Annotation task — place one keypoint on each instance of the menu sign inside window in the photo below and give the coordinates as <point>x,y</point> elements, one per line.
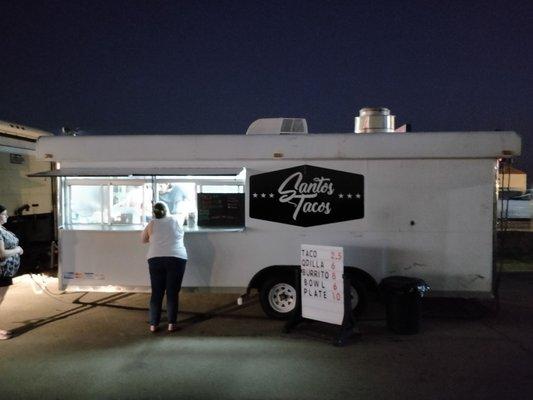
<point>220,209</point>
<point>322,287</point>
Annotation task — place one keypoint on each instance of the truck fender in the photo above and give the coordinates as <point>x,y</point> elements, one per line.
<point>274,270</point>
<point>279,270</point>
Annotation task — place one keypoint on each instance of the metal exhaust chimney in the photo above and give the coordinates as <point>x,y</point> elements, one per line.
<point>374,119</point>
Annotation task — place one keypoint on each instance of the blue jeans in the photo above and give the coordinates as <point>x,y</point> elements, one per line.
<point>166,275</point>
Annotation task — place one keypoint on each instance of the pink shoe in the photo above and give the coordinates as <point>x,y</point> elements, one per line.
<point>173,327</point>
<point>154,328</point>
<point>4,335</point>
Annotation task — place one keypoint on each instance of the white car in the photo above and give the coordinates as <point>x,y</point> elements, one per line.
<point>517,207</point>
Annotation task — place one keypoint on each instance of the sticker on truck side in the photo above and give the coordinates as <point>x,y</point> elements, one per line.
<point>83,275</point>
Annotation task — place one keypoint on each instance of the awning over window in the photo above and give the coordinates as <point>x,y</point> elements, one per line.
<point>91,172</point>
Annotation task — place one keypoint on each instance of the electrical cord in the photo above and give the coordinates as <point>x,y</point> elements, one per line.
<point>48,292</point>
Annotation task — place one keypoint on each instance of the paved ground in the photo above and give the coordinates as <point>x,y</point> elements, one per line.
<point>98,346</point>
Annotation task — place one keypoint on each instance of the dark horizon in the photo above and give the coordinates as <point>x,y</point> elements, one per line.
<point>204,67</point>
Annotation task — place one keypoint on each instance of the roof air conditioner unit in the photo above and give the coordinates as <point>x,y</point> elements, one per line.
<point>278,126</point>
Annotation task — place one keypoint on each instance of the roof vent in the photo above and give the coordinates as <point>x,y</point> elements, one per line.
<point>278,126</point>
<point>374,119</point>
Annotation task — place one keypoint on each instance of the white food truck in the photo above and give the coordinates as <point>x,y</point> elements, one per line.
<point>415,204</point>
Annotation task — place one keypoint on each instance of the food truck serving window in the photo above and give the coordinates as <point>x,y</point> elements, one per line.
<point>202,202</point>
<point>99,202</point>
<point>125,203</point>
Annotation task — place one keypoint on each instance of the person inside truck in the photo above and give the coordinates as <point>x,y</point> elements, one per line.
<point>174,196</point>
<point>10,253</point>
<point>166,257</point>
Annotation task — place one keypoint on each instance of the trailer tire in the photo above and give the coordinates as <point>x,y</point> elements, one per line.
<point>359,296</point>
<point>278,297</point>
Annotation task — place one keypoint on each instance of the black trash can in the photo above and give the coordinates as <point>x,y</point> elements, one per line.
<point>402,297</point>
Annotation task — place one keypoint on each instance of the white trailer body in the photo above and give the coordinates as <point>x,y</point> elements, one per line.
<point>427,200</point>
<point>17,160</point>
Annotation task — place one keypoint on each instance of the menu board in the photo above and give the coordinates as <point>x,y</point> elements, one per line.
<point>220,209</point>
<point>322,283</point>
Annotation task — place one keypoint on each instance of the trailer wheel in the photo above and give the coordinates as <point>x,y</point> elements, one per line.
<point>278,297</point>
<point>358,297</point>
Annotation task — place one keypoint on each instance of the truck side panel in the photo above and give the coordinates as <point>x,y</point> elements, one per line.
<point>430,218</point>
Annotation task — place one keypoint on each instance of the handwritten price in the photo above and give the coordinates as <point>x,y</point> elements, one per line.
<point>336,255</point>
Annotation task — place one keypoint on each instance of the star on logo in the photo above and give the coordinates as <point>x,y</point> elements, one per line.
<point>358,195</point>
<point>341,196</point>
<point>263,195</point>
<point>271,195</point>
<point>349,195</point>
<point>255,195</point>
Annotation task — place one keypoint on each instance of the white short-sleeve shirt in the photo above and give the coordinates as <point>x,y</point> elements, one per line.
<point>166,239</point>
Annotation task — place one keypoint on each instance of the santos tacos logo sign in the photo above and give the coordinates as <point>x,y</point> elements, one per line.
<point>307,196</point>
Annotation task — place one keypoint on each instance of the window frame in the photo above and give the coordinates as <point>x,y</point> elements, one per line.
<point>105,198</point>
<point>107,182</point>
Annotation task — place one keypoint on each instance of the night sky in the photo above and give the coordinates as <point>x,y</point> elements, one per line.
<point>215,66</point>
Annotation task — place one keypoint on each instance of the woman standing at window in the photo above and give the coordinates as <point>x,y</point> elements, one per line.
<point>167,257</point>
<point>10,253</point>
